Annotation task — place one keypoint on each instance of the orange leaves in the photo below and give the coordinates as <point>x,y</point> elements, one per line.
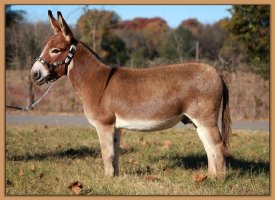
<point>167,144</point>
<point>198,178</point>
<point>75,187</point>
<point>151,178</point>
<point>143,142</point>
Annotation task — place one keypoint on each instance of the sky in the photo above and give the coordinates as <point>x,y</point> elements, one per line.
<point>172,14</point>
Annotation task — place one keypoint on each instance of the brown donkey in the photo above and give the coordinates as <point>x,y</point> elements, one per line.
<point>138,99</point>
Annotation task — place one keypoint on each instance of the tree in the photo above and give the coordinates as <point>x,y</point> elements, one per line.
<point>154,33</point>
<point>250,26</point>
<point>143,38</point>
<point>179,45</point>
<point>231,54</point>
<point>211,40</point>
<point>192,25</point>
<point>96,29</point>
<point>19,54</point>
<point>13,17</point>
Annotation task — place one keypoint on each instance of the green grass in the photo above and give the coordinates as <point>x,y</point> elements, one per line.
<point>43,160</point>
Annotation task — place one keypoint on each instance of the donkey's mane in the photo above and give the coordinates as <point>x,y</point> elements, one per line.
<point>94,54</point>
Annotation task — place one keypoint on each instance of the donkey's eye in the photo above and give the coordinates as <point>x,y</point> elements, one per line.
<point>55,50</point>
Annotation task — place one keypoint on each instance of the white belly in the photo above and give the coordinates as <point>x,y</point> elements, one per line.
<point>146,125</point>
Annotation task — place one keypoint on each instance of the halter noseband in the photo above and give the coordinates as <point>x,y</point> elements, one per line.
<point>66,61</point>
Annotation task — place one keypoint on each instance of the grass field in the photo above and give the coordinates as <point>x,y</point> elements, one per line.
<point>43,160</point>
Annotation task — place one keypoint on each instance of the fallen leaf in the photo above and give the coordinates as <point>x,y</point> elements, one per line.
<point>75,187</point>
<point>123,146</point>
<point>32,167</point>
<point>143,142</point>
<point>21,172</point>
<point>199,177</point>
<point>167,144</point>
<point>57,179</point>
<point>151,178</point>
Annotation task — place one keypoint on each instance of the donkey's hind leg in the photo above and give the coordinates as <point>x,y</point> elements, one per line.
<point>213,146</point>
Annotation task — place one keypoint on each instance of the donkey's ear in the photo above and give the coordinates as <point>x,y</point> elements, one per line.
<point>64,27</point>
<point>54,24</point>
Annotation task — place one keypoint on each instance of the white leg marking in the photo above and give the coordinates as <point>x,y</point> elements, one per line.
<point>208,144</point>
<point>209,147</point>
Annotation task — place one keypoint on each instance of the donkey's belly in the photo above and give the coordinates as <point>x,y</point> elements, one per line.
<point>146,125</point>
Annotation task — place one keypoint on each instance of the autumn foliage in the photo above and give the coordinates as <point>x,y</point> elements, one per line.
<point>228,44</point>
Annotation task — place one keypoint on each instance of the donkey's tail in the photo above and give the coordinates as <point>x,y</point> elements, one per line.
<point>226,119</point>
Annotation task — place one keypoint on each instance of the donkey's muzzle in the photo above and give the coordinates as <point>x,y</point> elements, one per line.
<point>36,75</point>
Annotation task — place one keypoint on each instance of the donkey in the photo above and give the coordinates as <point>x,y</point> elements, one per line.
<point>138,99</point>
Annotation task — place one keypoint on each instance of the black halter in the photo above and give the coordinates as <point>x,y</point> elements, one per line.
<point>66,61</point>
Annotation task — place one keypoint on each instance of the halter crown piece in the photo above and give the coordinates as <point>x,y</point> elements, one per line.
<point>66,61</point>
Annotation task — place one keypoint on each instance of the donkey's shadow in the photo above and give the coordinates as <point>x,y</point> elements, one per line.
<point>196,161</point>
<point>80,152</point>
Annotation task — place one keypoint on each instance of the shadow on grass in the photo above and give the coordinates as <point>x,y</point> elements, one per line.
<point>69,153</point>
<point>196,161</point>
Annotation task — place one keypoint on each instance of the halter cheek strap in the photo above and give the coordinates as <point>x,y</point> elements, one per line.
<point>66,61</point>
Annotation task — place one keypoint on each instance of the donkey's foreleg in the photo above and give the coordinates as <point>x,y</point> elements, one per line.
<point>212,142</point>
<point>109,138</point>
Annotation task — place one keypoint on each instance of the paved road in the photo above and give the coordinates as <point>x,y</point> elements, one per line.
<point>73,120</point>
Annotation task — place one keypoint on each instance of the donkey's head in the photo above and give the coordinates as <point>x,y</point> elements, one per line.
<point>56,54</point>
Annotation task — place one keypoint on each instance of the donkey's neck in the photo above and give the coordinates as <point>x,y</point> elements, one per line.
<point>88,74</point>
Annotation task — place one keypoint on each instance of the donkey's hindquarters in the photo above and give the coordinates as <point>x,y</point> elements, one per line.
<point>216,144</point>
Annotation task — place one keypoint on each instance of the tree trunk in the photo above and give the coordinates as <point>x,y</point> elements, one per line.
<point>197,51</point>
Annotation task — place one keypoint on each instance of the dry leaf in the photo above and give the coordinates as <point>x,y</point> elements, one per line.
<point>133,161</point>
<point>75,187</point>
<point>167,144</point>
<point>21,172</point>
<point>151,178</point>
<point>143,142</point>
<point>32,167</point>
<point>123,146</point>
<point>199,177</point>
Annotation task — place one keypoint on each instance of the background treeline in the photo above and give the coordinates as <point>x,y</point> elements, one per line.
<point>238,47</point>
<point>238,43</point>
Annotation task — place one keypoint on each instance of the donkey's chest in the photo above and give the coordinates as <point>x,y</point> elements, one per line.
<point>146,125</point>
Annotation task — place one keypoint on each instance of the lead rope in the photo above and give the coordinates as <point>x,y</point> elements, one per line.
<point>34,103</point>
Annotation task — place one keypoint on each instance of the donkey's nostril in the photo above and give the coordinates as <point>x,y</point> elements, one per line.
<point>36,75</point>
